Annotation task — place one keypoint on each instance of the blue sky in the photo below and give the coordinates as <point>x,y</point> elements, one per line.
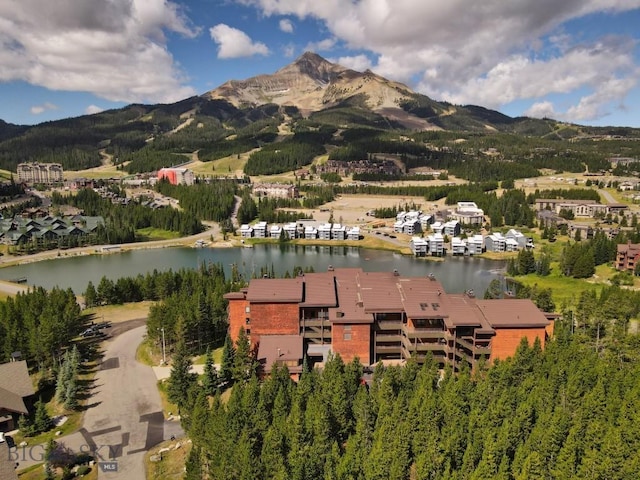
<point>575,60</point>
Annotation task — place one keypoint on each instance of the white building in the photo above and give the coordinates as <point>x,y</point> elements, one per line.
<point>436,245</point>
<point>495,242</point>
<point>324,231</point>
<point>475,244</point>
<point>246,231</point>
<point>260,230</point>
<point>419,246</point>
<point>34,172</point>
<point>291,230</point>
<point>338,232</point>
<point>458,246</point>
<point>310,232</point>
<point>275,231</point>
<point>437,227</point>
<point>522,240</point>
<point>468,213</point>
<point>452,228</point>
<point>426,221</point>
<point>353,233</point>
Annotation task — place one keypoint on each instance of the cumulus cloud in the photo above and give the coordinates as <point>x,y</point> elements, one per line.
<point>358,63</point>
<point>234,43</point>
<point>286,25</point>
<point>116,50</point>
<point>322,45</point>
<point>38,109</point>
<point>479,52</point>
<point>91,109</point>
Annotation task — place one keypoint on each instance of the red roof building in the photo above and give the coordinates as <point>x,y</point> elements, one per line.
<point>380,316</point>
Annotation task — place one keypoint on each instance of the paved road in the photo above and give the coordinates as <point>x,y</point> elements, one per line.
<point>607,196</point>
<point>124,418</point>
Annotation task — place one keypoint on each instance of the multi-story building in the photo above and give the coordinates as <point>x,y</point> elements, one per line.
<point>436,245</point>
<point>260,230</point>
<point>177,176</point>
<point>475,244</point>
<point>378,316</point>
<point>419,246</point>
<point>627,256</point>
<point>277,190</point>
<point>458,246</point>
<point>496,242</point>
<point>468,213</point>
<point>34,173</point>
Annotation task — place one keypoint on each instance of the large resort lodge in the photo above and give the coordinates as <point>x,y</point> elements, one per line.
<point>377,316</point>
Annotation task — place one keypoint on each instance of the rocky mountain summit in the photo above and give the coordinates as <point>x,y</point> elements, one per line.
<point>312,83</point>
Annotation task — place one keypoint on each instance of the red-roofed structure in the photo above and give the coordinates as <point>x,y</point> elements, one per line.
<point>382,316</point>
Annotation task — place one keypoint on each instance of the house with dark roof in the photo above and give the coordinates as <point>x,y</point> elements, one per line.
<point>16,393</point>
<point>378,316</point>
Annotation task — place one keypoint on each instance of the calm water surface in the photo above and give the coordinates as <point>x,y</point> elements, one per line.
<point>456,273</point>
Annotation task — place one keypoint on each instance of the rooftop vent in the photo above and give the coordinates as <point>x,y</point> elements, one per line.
<point>339,314</point>
<point>396,273</point>
<point>431,276</point>
<point>330,268</point>
<point>471,293</point>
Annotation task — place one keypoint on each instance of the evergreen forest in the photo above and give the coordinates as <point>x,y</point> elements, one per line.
<point>569,411</point>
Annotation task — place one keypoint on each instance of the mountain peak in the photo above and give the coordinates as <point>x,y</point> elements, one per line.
<point>314,66</point>
<point>313,83</point>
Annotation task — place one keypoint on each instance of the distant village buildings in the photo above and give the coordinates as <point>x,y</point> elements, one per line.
<point>39,173</point>
<point>306,230</point>
<point>18,230</point>
<point>177,176</point>
<point>579,208</point>
<point>276,190</point>
<point>345,168</point>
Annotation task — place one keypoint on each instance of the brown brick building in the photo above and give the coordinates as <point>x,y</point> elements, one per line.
<point>378,316</point>
<point>627,256</point>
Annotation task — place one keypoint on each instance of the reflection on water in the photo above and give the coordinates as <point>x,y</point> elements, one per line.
<point>456,274</point>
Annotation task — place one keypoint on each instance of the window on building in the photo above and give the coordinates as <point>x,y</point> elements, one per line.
<point>346,336</point>
<point>247,321</point>
<point>247,309</point>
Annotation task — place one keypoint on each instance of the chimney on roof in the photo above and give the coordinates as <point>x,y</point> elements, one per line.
<point>330,268</point>
<point>279,353</point>
<point>431,276</point>
<point>396,273</point>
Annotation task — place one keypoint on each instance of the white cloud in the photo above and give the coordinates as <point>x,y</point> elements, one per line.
<point>358,63</point>
<point>116,50</point>
<point>479,52</point>
<point>38,109</point>
<point>234,43</point>
<point>286,25</point>
<point>321,46</point>
<point>91,109</point>
<point>289,50</point>
<point>544,109</point>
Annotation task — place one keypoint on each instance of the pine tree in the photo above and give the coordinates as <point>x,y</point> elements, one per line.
<point>193,466</point>
<point>180,379</point>
<point>244,364</point>
<point>42,421</point>
<point>90,295</point>
<point>211,380</point>
<point>71,396</point>
<point>226,365</point>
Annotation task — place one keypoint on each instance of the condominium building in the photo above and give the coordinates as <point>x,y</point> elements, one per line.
<point>378,316</point>
<point>34,173</point>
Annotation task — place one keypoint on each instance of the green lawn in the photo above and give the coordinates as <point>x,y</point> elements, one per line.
<point>217,357</point>
<point>148,234</point>
<point>567,290</point>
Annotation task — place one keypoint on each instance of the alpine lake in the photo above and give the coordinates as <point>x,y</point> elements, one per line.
<point>457,274</point>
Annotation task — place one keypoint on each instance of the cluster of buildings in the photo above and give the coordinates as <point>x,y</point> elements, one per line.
<point>415,221</point>
<point>293,230</point>
<point>345,168</point>
<point>33,173</point>
<point>579,208</point>
<point>434,244</point>
<point>18,230</point>
<point>378,316</point>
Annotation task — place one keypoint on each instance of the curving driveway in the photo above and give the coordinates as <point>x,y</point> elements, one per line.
<point>124,416</point>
